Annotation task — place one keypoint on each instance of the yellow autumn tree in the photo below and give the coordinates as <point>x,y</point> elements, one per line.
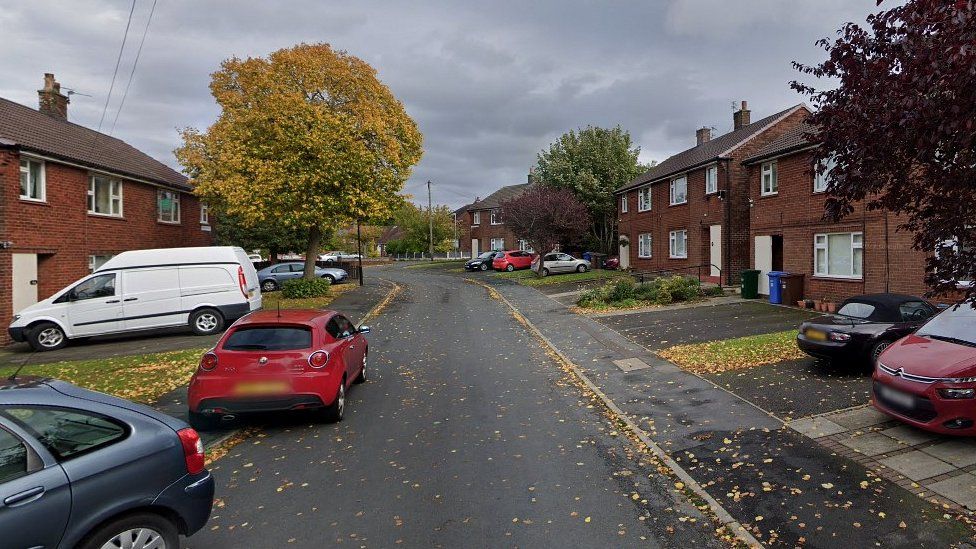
<point>306,138</point>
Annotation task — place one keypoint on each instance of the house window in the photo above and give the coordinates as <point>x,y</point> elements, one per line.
<point>678,244</point>
<point>496,217</point>
<point>679,190</point>
<point>644,245</point>
<point>838,255</point>
<point>769,184</point>
<point>711,179</point>
<point>644,199</point>
<point>476,218</point>
<point>96,261</point>
<point>204,214</point>
<point>524,246</point>
<point>105,196</point>
<point>168,206</point>
<point>32,179</point>
<point>623,204</point>
<point>955,246</point>
<point>497,243</point>
<point>821,175</point>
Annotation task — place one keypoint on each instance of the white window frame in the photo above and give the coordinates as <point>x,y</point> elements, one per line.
<point>954,244</point>
<point>768,180</point>
<point>496,217</point>
<point>204,214</point>
<point>683,180</point>
<point>644,201</point>
<point>476,219</point>
<point>491,243</point>
<point>523,245</point>
<point>672,243</point>
<point>821,242</point>
<point>644,246</point>
<point>93,261</point>
<point>175,197</point>
<point>25,170</point>
<point>623,203</point>
<point>821,175</point>
<point>115,200</point>
<point>711,179</point>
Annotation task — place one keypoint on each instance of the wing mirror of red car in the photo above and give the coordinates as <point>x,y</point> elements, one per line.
<point>364,329</point>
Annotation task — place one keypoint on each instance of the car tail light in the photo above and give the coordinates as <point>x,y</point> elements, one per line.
<point>242,281</point>
<point>318,359</point>
<point>192,450</point>
<point>208,362</point>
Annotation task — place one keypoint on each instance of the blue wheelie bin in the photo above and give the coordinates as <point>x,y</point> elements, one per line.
<point>776,286</point>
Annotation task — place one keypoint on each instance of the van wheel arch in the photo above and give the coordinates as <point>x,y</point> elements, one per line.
<point>206,320</point>
<point>31,328</point>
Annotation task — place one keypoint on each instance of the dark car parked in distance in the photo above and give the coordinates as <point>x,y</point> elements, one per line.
<point>482,262</point>
<point>88,470</point>
<point>864,326</point>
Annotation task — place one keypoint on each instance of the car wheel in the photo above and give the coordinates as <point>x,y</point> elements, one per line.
<point>330,278</point>
<point>361,378</point>
<point>484,266</point>
<point>545,272</point>
<point>269,286</point>
<point>136,531</point>
<point>510,267</point>
<point>581,269</point>
<point>47,336</point>
<point>206,322</point>
<point>877,349</point>
<point>337,410</point>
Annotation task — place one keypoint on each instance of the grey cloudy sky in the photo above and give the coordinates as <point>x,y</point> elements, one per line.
<point>490,83</point>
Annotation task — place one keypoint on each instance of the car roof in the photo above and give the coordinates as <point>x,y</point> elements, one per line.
<point>886,304</point>
<point>271,316</point>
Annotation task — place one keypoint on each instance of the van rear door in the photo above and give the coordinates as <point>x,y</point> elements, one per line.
<point>252,286</point>
<point>151,298</point>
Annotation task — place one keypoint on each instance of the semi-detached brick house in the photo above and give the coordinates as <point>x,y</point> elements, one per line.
<point>71,197</point>
<point>862,253</point>
<point>486,228</point>
<point>690,213</point>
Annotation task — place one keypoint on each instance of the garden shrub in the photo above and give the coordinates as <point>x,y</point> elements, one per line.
<point>302,288</point>
<point>659,291</point>
<point>621,289</point>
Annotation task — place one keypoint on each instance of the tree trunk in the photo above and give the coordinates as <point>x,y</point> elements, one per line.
<point>312,251</point>
<point>273,255</point>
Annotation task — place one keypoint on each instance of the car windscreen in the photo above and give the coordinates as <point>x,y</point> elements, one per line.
<point>955,324</point>
<point>857,310</point>
<point>486,255</point>
<point>269,338</point>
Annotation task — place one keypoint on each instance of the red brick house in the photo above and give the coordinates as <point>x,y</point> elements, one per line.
<point>486,228</point>
<point>690,213</point>
<point>71,197</point>
<point>863,253</point>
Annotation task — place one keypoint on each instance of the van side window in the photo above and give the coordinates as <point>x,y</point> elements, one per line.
<point>66,432</point>
<point>13,457</point>
<point>94,288</point>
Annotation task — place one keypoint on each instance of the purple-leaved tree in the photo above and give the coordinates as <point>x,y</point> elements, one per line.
<point>544,216</point>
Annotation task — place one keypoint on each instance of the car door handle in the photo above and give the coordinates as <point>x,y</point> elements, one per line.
<point>131,299</point>
<point>112,301</point>
<point>24,497</point>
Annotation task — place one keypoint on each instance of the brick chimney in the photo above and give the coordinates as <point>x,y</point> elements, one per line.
<point>741,117</point>
<point>703,135</point>
<point>50,99</point>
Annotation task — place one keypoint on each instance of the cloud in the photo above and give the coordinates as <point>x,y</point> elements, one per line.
<point>490,84</point>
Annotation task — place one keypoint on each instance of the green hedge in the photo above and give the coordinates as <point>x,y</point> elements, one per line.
<point>660,291</point>
<point>302,288</point>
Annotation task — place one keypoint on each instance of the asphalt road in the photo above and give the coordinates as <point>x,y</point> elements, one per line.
<point>466,435</point>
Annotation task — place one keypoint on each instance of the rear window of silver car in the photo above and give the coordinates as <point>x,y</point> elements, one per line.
<point>269,338</point>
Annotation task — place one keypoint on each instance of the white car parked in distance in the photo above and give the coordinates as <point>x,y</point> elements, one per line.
<point>338,256</point>
<point>203,288</point>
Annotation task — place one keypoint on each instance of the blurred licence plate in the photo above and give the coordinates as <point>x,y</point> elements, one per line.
<point>896,397</point>
<point>816,335</point>
<point>261,388</point>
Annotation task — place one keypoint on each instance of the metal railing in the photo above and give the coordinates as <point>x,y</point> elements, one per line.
<point>643,276</point>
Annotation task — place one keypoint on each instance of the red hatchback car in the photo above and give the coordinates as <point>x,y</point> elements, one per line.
<point>275,361</point>
<point>512,260</point>
<point>928,379</point>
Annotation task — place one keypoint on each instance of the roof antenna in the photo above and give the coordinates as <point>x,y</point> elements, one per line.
<point>13,376</point>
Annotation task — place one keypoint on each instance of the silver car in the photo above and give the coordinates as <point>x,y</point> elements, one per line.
<point>556,263</point>
<point>272,277</point>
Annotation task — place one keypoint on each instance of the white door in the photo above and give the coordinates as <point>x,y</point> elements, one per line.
<point>24,281</point>
<point>94,306</point>
<point>474,247</point>
<point>624,257</point>
<point>764,261</point>
<point>715,246</point>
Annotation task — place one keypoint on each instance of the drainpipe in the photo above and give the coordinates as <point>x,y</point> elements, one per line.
<point>726,229</point>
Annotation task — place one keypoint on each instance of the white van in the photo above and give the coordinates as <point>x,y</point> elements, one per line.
<point>204,288</point>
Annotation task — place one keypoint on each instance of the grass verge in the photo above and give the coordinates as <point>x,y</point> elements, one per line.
<point>437,264</point>
<point>272,300</point>
<point>142,378</point>
<point>733,354</point>
<point>528,277</point>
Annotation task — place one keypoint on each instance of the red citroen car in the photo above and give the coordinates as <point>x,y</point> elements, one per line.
<point>928,379</point>
<point>279,360</point>
<point>512,260</point>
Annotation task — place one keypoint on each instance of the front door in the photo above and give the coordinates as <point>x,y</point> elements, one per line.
<point>715,249</point>
<point>24,281</point>
<point>474,248</point>
<point>764,261</point>
<point>624,256</point>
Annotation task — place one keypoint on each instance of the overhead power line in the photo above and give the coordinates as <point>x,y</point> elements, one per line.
<point>117,62</point>
<point>134,65</point>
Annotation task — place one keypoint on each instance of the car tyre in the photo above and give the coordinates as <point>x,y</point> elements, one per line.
<point>330,278</point>
<point>334,412</point>
<point>877,349</point>
<point>361,378</point>
<point>47,336</point>
<point>206,321</point>
<point>138,530</point>
<point>484,266</point>
<point>269,286</point>
<point>581,269</point>
<point>204,422</point>
<point>545,272</point>
<point>510,267</point>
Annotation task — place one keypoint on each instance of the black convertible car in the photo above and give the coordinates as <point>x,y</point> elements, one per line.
<point>864,326</point>
<point>482,262</point>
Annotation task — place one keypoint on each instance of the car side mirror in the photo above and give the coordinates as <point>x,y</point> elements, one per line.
<point>364,329</point>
